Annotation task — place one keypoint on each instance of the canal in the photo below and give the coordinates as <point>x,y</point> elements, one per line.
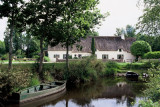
<point>108,92</point>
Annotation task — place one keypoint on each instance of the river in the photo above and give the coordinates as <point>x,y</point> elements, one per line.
<point>108,92</point>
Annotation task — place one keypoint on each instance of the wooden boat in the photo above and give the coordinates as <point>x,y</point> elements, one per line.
<point>38,91</point>
<point>130,74</point>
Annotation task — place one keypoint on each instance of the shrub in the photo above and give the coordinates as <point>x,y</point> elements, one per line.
<point>46,59</point>
<point>13,81</point>
<point>111,68</point>
<point>5,57</point>
<point>85,70</point>
<point>152,55</point>
<point>34,80</point>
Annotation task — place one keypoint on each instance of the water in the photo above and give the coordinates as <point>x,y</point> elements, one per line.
<point>109,92</point>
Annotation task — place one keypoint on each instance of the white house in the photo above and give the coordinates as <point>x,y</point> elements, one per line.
<point>107,48</point>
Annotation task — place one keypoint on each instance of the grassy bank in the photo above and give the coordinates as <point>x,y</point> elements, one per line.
<point>86,70</point>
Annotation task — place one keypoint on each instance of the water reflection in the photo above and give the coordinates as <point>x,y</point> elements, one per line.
<point>111,92</point>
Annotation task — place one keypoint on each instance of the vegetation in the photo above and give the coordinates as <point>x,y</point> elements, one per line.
<point>154,41</point>
<point>152,55</point>
<point>111,68</point>
<point>85,70</point>
<point>153,91</point>
<point>149,23</point>
<point>139,48</point>
<point>10,9</point>
<point>129,31</point>
<point>93,46</point>
<point>75,25</point>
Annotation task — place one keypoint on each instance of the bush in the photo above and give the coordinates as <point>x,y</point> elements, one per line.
<point>34,80</point>
<point>152,55</point>
<point>13,81</point>
<point>46,59</point>
<point>111,68</point>
<point>5,57</point>
<point>85,70</point>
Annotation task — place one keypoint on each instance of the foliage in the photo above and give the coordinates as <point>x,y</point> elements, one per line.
<point>129,31</point>
<point>139,48</point>
<point>2,48</point>
<point>154,41</point>
<point>5,57</point>
<point>93,46</point>
<point>152,55</point>
<point>148,103</point>
<point>111,68</point>
<point>145,65</point>
<point>153,90</point>
<point>149,23</point>
<point>11,10</point>
<point>85,70</point>
<point>20,54</point>
<point>34,80</point>
<point>76,23</point>
<point>13,81</point>
<point>46,59</point>
<point>41,16</point>
<point>119,32</point>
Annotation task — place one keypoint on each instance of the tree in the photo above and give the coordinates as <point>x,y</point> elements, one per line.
<point>129,31</point>
<point>11,10</point>
<point>139,48</point>
<point>78,19</point>
<point>40,18</point>
<point>149,23</point>
<point>119,32</point>
<point>154,41</point>
<point>93,46</point>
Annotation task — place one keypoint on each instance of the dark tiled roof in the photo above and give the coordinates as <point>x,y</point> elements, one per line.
<point>102,43</point>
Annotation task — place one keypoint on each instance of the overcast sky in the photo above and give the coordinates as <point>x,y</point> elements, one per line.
<point>122,12</point>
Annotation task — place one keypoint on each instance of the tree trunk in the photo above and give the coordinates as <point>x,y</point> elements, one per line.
<point>41,55</point>
<point>10,47</point>
<point>67,63</point>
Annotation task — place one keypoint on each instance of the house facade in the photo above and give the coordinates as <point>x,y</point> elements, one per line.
<point>107,48</point>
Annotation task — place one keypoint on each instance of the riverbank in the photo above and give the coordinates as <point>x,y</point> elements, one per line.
<point>83,71</point>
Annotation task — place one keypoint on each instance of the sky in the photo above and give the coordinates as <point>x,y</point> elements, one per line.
<point>122,13</point>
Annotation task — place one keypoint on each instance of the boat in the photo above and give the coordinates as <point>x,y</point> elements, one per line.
<point>131,74</point>
<point>38,91</point>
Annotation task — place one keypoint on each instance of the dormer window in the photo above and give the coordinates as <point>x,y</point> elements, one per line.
<point>120,50</point>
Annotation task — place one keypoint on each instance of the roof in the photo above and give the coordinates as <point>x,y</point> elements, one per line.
<point>102,43</point>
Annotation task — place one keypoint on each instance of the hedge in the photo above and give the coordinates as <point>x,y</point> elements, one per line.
<point>152,55</point>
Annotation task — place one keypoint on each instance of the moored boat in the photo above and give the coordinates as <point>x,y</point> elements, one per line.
<point>131,74</point>
<point>38,91</point>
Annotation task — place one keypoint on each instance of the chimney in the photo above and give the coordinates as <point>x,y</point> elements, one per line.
<point>122,37</point>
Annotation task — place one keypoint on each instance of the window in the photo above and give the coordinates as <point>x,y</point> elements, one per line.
<point>79,56</point>
<point>120,50</point>
<point>64,56</point>
<point>56,55</point>
<point>104,56</point>
<point>120,56</point>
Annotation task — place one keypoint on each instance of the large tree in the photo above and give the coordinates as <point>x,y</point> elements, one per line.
<point>40,18</point>
<point>149,23</point>
<point>11,10</point>
<point>78,19</point>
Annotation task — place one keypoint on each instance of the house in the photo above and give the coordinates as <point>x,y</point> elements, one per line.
<point>107,48</point>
